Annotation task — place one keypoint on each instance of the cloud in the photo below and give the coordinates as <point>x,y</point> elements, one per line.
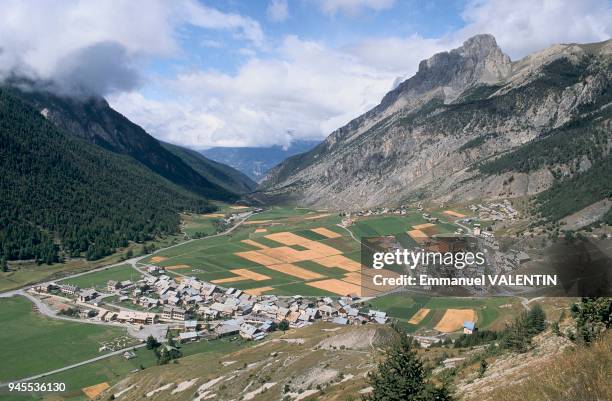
<point>44,40</point>
<point>100,68</point>
<point>353,7</point>
<point>278,10</point>
<point>305,91</point>
<point>288,89</point>
<point>525,26</point>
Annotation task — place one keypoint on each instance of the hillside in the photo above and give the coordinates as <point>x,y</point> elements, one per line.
<point>256,162</point>
<point>92,119</point>
<point>217,173</point>
<point>60,192</point>
<point>323,361</point>
<point>470,124</point>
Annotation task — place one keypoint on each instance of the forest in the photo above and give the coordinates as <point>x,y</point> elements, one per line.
<point>62,196</point>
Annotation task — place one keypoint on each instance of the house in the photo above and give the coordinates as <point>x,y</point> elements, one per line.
<point>340,320</point>
<point>188,336</point>
<point>112,285</point>
<point>87,295</point>
<point>47,287</point>
<point>227,329</point>
<point>191,325</point>
<point>171,313</point>
<point>136,317</point>
<point>69,289</point>
<point>110,316</point>
<point>469,327</point>
<point>250,332</point>
<point>126,284</point>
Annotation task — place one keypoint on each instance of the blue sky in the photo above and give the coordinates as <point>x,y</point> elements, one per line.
<point>203,73</point>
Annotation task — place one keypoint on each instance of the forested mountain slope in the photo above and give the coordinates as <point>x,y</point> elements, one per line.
<point>91,118</point>
<point>217,173</point>
<point>60,192</point>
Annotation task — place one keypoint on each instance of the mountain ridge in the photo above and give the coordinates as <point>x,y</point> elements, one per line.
<point>92,118</point>
<point>416,143</point>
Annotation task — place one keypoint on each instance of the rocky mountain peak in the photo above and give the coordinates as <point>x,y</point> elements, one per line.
<point>478,61</point>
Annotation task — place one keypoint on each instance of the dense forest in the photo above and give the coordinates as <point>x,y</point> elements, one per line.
<point>61,193</point>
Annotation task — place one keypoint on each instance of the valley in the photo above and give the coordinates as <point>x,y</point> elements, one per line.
<point>301,201</point>
<point>313,253</point>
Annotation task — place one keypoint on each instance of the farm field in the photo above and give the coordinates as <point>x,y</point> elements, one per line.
<point>289,251</point>
<point>26,336</point>
<point>99,279</point>
<point>490,313</point>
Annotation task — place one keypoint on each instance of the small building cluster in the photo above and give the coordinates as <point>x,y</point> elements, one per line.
<point>195,305</point>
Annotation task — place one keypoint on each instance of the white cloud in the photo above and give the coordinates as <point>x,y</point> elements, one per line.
<point>278,10</point>
<point>296,89</point>
<point>37,38</point>
<point>353,7</point>
<point>524,26</point>
<point>305,91</point>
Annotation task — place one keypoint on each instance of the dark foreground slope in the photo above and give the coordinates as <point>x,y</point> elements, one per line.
<point>60,192</point>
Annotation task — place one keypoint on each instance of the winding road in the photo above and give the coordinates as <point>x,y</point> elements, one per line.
<point>140,334</point>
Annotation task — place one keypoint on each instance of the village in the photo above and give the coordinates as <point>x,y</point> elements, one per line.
<point>200,310</point>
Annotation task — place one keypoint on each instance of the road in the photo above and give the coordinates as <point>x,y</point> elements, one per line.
<point>141,334</point>
<point>75,365</point>
<point>133,261</point>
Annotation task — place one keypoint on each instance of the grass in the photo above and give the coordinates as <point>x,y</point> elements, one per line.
<point>212,258</point>
<point>99,279</point>
<point>197,223</point>
<point>115,368</point>
<point>582,373</point>
<point>32,344</point>
<point>404,306</point>
<point>22,274</point>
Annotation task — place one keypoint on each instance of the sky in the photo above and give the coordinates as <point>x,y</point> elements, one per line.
<point>204,73</point>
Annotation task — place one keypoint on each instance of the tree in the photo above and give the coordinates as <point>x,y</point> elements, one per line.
<point>592,317</point>
<point>483,367</point>
<point>3,265</point>
<point>152,343</point>
<point>401,377</point>
<point>518,336</point>
<point>536,319</point>
<point>283,325</point>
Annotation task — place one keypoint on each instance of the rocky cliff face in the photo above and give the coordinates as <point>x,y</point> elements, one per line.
<point>436,135</point>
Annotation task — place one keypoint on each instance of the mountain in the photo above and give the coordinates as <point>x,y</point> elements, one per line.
<point>470,124</point>
<point>255,162</point>
<point>64,194</point>
<point>91,118</point>
<point>219,174</point>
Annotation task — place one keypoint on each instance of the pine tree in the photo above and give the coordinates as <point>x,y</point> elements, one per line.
<point>536,320</point>
<point>401,377</point>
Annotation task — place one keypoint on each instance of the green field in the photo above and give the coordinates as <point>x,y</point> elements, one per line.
<point>210,258</point>
<point>99,279</point>
<point>115,368</point>
<point>404,306</point>
<point>31,343</point>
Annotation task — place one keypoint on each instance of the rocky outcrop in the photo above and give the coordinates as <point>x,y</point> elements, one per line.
<point>429,137</point>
